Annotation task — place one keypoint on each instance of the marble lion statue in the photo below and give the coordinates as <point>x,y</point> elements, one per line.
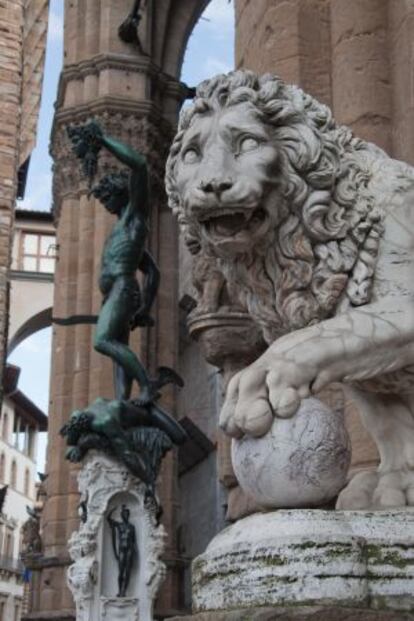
<point>315,229</point>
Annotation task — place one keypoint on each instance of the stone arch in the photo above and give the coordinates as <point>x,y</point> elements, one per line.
<point>40,320</point>
<point>179,24</point>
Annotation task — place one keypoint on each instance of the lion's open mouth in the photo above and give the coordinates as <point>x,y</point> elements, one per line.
<point>230,223</point>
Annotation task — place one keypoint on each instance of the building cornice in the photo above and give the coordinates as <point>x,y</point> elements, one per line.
<point>31,276</point>
<point>35,215</point>
<point>120,62</point>
<point>109,104</point>
<point>28,411</point>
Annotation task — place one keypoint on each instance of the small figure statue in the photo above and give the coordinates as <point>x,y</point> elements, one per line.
<point>124,544</point>
<point>128,30</point>
<point>32,541</point>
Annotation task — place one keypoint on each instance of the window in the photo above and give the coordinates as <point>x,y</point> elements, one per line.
<point>13,474</point>
<point>17,612</point>
<point>37,252</point>
<point>5,430</point>
<point>26,482</point>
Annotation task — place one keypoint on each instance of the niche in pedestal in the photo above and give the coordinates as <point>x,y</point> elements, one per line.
<point>124,537</point>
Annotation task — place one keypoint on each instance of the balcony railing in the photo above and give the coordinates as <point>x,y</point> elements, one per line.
<point>11,564</point>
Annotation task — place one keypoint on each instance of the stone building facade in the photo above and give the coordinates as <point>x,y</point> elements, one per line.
<point>34,257</point>
<point>23,28</point>
<point>356,57</point>
<point>20,423</point>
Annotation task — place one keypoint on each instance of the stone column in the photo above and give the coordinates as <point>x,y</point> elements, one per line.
<point>401,59</point>
<point>135,97</point>
<point>290,38</point>
<point>230,341</point>
<point>355,56</point>
<point>361,89</point>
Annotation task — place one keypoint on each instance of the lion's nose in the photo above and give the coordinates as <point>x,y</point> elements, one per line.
<point>215,185</point>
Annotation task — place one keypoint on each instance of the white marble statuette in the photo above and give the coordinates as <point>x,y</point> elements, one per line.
<point>106,488</point>
<point>314,228</point>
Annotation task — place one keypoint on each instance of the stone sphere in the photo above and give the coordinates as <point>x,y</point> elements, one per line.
<point>301,462</point>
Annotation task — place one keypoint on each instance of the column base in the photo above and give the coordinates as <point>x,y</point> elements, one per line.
<point>349,559</point>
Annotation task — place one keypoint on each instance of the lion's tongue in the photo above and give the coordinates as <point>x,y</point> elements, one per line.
<point>229,224</point>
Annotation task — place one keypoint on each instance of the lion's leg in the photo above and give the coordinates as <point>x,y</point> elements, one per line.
<point>355,346</point>
<point>389,418</point>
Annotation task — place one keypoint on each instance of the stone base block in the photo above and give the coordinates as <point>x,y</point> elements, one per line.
<point>351,559</point>
<point>301,613</point>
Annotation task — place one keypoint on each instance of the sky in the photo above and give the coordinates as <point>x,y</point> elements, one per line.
<point>210,51</point>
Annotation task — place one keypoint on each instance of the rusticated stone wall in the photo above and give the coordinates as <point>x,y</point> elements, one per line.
<point>355,56</point>
<point>23,26</point>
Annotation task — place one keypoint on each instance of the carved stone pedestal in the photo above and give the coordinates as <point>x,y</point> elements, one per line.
<point>93,577</point>
<point>340,559</point>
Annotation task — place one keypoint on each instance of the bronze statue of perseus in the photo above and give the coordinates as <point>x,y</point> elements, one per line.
<point>135,431</point>
<point>125,306</point>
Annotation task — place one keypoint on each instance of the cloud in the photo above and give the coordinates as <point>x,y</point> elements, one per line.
<point>212,66</point>
<point>55,28</point>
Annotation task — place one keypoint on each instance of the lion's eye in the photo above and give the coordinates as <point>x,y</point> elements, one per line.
<point>190,156</point>
<point>248,144</point>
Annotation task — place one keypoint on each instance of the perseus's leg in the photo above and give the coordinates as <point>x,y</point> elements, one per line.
<point>115,315</point>
<point>122,381</point>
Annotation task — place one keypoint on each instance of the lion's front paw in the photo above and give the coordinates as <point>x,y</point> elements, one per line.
<point>257,394</point>
<point>377,490</point>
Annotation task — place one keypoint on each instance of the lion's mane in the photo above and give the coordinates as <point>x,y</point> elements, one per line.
<point>326,247</point>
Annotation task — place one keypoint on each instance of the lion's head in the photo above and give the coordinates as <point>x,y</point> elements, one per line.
<point>263,179</point>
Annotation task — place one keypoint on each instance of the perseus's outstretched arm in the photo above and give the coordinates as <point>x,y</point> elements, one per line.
<point>138,183</point>
<point>125,153</point>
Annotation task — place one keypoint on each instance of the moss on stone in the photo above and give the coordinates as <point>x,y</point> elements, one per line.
<point>378,556</point>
